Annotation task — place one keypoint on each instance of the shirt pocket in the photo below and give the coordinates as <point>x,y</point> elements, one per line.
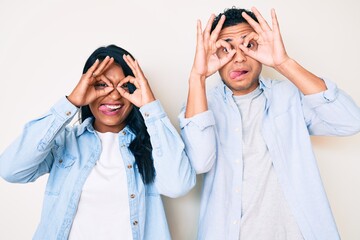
<point>58,174</point>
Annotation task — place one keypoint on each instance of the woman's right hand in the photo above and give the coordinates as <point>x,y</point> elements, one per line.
<point>85,91</point>
<point>206,61</point>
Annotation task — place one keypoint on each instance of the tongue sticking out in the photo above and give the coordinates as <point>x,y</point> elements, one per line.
<point>236,74</point>
<point>108,108</point>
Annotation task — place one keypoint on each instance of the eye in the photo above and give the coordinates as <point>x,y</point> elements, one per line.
<point>100,85</point>
<point>252,45</point>
<point>125,86</point>
<point>225,50</point>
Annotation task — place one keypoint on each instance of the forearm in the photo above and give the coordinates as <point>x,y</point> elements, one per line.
<point>198,134</point>
<point>196,102</point>
<point>305,81</point>
<point>29,156</point>
<point>331,112</point>
<point>174,174</point>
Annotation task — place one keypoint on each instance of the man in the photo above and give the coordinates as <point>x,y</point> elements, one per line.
<point>251,136</point>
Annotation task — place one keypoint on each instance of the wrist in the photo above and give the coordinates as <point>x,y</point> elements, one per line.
<point>70,99</point>
<point>284,65</point>
<point>194,76</point>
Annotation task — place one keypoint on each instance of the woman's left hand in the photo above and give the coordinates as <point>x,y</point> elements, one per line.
<point>142,94</point>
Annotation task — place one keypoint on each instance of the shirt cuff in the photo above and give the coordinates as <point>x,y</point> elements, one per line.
<point>202,120</point>
<point>152,111</point>
<point>327,96</point>
<point>64,109</point>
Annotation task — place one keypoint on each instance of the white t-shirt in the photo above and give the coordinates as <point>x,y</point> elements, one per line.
<point>265,212</point>
<point>103,211</point>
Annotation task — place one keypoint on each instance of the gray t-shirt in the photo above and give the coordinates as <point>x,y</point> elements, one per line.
<point>265,212</point>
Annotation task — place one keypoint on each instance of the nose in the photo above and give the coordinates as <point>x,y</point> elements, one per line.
<point>114,94</point>
<point>239,56</point>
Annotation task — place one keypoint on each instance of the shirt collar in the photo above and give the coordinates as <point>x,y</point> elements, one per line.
<point>88,125</point>
<point>227,93</point>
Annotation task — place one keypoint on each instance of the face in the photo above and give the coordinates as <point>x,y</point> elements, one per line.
<point>110,111</point>
<point>241,74</point>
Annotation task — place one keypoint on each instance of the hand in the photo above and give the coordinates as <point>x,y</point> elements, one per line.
<point>142,94</point>
<point>86,91</point>
<point>270,49</point>
<point>206,60</point>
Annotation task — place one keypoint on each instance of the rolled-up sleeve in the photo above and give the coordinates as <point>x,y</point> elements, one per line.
<point>174,173</point>
<point>331,112</point>
<point>29,156</point>
<point>198,133</point>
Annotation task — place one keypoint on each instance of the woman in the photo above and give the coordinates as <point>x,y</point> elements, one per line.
<point>106,174</point>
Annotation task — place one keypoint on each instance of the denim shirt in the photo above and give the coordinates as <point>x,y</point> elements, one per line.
<point>48,145</point>
<point>213,143</point>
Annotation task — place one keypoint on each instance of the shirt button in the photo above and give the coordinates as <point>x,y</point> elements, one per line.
<point>237,129</point>
<point>132,195</point>
<point>124,133</point>
<point>237,161</point>
<point>146,114</point>
<point>68,113</point>
<point>60,161</point>
<point>135,223</point>
<point>235,222</point>
<point>129,166</point>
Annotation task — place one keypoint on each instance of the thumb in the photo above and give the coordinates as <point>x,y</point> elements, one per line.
<point>104,91</point>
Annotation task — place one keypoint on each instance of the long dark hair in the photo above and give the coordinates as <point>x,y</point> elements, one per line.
<point>140,147</point>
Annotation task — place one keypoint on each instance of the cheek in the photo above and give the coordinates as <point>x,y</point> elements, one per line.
<point>92,108</point>
<point>128,107</point>
<point>256,66</point>
<point>223,71</point>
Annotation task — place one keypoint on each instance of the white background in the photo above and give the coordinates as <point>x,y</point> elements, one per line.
<point>44,45</point>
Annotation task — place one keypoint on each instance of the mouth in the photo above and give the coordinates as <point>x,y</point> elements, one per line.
<point>238,74</point>
<point>110,109</point>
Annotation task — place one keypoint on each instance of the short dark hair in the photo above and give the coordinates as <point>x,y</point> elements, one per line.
<point>233,17</point>
<point>140,147</point>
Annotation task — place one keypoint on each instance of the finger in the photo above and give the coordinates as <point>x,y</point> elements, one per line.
<point>263,23</point>
<point>100,68</point>
<point>124,93</point>
<point>215,33</point>
<point>129,79</point>
<point>256,26</point>
<point>247,51</point>
<point>222,46</point>
<point>199,36</point>
<point>139,71</point>
<point>225,58</point>
<point>105,80</point>
<point>251,36</point>
<point>101,91</point>
<point>90,71</point>
<point>108,64</point>
<point>207,30</point>
<point>104,91</point>
<point>275,23</point>
<point>130,62</point>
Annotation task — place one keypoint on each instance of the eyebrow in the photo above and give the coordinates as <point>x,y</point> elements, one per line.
<point>230,39</point>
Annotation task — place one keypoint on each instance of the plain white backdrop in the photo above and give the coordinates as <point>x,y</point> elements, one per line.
<point>44,45</point>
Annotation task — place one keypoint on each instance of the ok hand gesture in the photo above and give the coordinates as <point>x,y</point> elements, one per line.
<point>142,94</point>
<point>85,91</point>
<point>270,49</point>
<point>206,61</point>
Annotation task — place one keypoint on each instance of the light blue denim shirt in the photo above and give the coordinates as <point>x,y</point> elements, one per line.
<point>48,145</point>
<point>213,143</point>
